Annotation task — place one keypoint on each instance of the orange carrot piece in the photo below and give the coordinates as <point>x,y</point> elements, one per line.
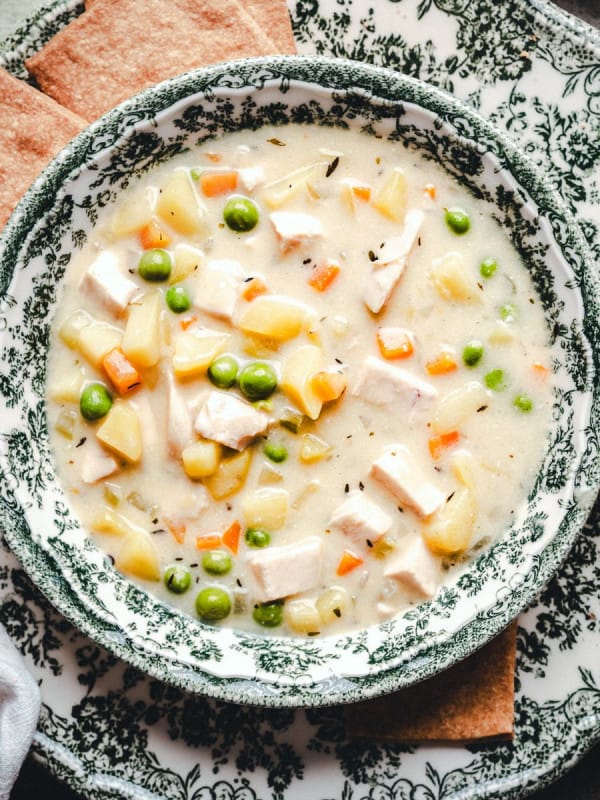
<point>348,562</point>
<point>362,191</point>
<point>187,321</point>
<point>328,385</point>
<point>324,275</point>
<point>441,364</point>
<point>231,537</point>
<point>121,372</point>
<point>214,157</point>
<point>216,183</point>
<point>208,541</point>
<point>540,370</point>
<point>430,190</point>
<point>177,529</point>
<point>152,235</point>
<point>395,343</point>
<point>254,288</point>
<point>437,444</point>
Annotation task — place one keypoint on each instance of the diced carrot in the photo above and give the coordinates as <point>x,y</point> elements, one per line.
<point>324,275</point>
<point>152,235</point>
<point>395,343</point>
<point>231,537</point>
<point>187,321</point>
<point>328,385</point>
<point>214,157</point>
<point>441,364</point>
<point>540,370</point>
<point>177,529</point>
<point>348,562</point>
<point>216,183</point>
<point>437,444</point>
<point>430,190</point>
<point>362,191</point>
<point>121,372</point>
<point>253,288</point>
<point>208,541</point>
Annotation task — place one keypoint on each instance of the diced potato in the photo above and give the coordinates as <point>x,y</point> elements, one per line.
<point>313,449</point>
<point>332,604</point>
<point>97,340</point>
<point>391,200</point>
<point>278,192</point>
<point>296,379</point>
<point>179,206</point>
<point>450,277</point>
<point>121,432</point>
<point>106,520</point>
<point>463,467</point>
<point>276,317</point>
<point>186,260</point>
<point>201,459</point>
<point>194,351</point>
<point>141,340</point>
<point>451,529</point>
<point>329,385</point>
<point>456,406</point>
<point>230,476</point>
<point>71,328</point>
<point>65,423</point>
<point>305,493</point>
<point>502,334</point>
<point>302,616</point>
<point>66,388</point>
<point>138,556</point>
<point>133,213</point>
<point>266,508</point>
<point>269,475</point>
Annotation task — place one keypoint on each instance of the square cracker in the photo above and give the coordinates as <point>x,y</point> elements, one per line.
<point>473,701</point>
<point>33,128</point>
<point>119,47</point>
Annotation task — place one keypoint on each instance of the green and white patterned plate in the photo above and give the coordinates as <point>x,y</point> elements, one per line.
<point>111,732</point>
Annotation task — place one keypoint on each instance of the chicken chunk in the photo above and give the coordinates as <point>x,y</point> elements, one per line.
<point>293,228</point>
<point>219,284</point>
<point>97,463</point>
<point>416,568</point>
<point>179,421</point>
<point>400,473</point>
<point>287,569</point>
<point>226,419</point>
<point>361,520</point>
<point>384,384</point>
<point>105,281</point>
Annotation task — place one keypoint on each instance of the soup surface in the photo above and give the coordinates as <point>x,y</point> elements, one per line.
<point>297,377</point>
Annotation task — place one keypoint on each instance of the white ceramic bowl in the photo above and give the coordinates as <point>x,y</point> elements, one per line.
<point>51,224</point>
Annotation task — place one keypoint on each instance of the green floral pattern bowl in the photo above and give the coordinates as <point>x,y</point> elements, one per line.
<point>52,223</point>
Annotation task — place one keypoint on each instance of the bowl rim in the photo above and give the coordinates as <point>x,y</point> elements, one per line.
<point>382,84</point>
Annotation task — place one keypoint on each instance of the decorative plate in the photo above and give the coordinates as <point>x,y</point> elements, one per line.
<point>112,732</point>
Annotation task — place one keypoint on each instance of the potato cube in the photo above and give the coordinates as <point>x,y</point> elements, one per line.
<point>230,475</point>
<point>133,213</point>
<point>121,432</point>
<point>201,459</point>
<point>266,508</point>
<point>179,206</point>
<point>97,340</point>
<point>195,349</point>
<point>106,520</point>
<point>450,277</point>
<point>186,260</point>
<point>302,616</point>
<point>66,388</point>
<point>332,604</point>
<point>456,406</point>
<point>296,379</point>
<point>391,199</point>
<point>278,192</point>
<point>141,340</point>
<point>138,556</point>
<point>276,317</point>
<point>451,529</point>
<point>71,328</point>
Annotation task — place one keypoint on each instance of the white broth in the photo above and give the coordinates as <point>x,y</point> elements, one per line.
<point>309,425</point>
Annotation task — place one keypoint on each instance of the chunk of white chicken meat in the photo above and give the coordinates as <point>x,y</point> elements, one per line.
<point>180,430</point>
<point>416,568</point>
<point>385,384</point>
<point>97,463</point>
<point>294,228</point>
<point>361,520</point>
<point>401,474</point>
<point>251,177</point>
<point>390,262</point>
<point>105,282</point>
<point>286,569</point>
<point>226,419</point>
<point>218,287</point>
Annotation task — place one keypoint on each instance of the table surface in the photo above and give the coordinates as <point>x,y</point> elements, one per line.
<point>581,783</point>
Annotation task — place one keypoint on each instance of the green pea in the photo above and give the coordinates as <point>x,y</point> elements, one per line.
<point>177,578</point>
<point>508,312</point>
<point>95,401</point>
<point>472,353</point>
<point>276,452</point>
<point>495,380</point>
<point>488,267</point>
<point>523,402</point>
<point>223,371</point>
<point>258,380</point>
<point>240,214</point>
<point>256,537</point>
<point>216,562</point>
<point>178,299</point>
<point>457,220</point>
<point>213,603</point>
<point>155,265</point>
<point>269,615</point>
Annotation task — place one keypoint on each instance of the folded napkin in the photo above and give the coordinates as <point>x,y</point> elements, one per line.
<point>19,712</point>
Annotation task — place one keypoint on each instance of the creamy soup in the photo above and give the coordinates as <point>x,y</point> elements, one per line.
<point>297,378</point>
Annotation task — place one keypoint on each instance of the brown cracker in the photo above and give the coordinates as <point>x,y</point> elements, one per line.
<point>471,701</point>
<point>33,128</point>
<point>119,47</point>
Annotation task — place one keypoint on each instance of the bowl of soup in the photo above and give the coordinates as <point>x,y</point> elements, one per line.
<point>298,392</point>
